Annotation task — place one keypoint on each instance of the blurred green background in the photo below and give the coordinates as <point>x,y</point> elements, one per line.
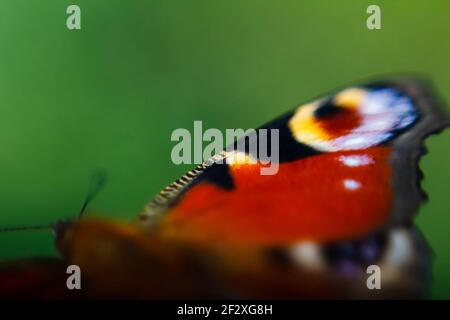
<point>109,95</point>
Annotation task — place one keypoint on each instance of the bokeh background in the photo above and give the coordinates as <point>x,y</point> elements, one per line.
<point>108,96</point>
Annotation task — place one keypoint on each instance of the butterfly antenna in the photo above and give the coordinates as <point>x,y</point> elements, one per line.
<point>97,182</point>
<point>27,228</point>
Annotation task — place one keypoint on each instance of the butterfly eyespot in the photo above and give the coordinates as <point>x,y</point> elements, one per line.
<point>355,118</point>
<point>352,257</point>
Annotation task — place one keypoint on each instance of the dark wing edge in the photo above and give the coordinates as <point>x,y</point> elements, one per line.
<point>409,147</point>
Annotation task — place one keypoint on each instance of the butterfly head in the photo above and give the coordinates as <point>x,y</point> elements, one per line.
<point>60,228</point>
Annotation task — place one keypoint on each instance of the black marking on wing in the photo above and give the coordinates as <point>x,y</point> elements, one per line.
<point>326,109</point>
<point>217,174</point>
<point>289,148</point>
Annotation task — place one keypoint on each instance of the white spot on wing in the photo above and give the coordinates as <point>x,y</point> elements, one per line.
<point>351,184</point>
<point>356,160</point>
<point>308,255</point>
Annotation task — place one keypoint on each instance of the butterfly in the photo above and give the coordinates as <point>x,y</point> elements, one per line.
<point>343,200</point>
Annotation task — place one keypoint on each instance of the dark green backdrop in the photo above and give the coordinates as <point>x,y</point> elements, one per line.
<point>109,95</point>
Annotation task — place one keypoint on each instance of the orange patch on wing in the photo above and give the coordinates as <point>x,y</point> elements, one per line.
<point>333,196</point>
